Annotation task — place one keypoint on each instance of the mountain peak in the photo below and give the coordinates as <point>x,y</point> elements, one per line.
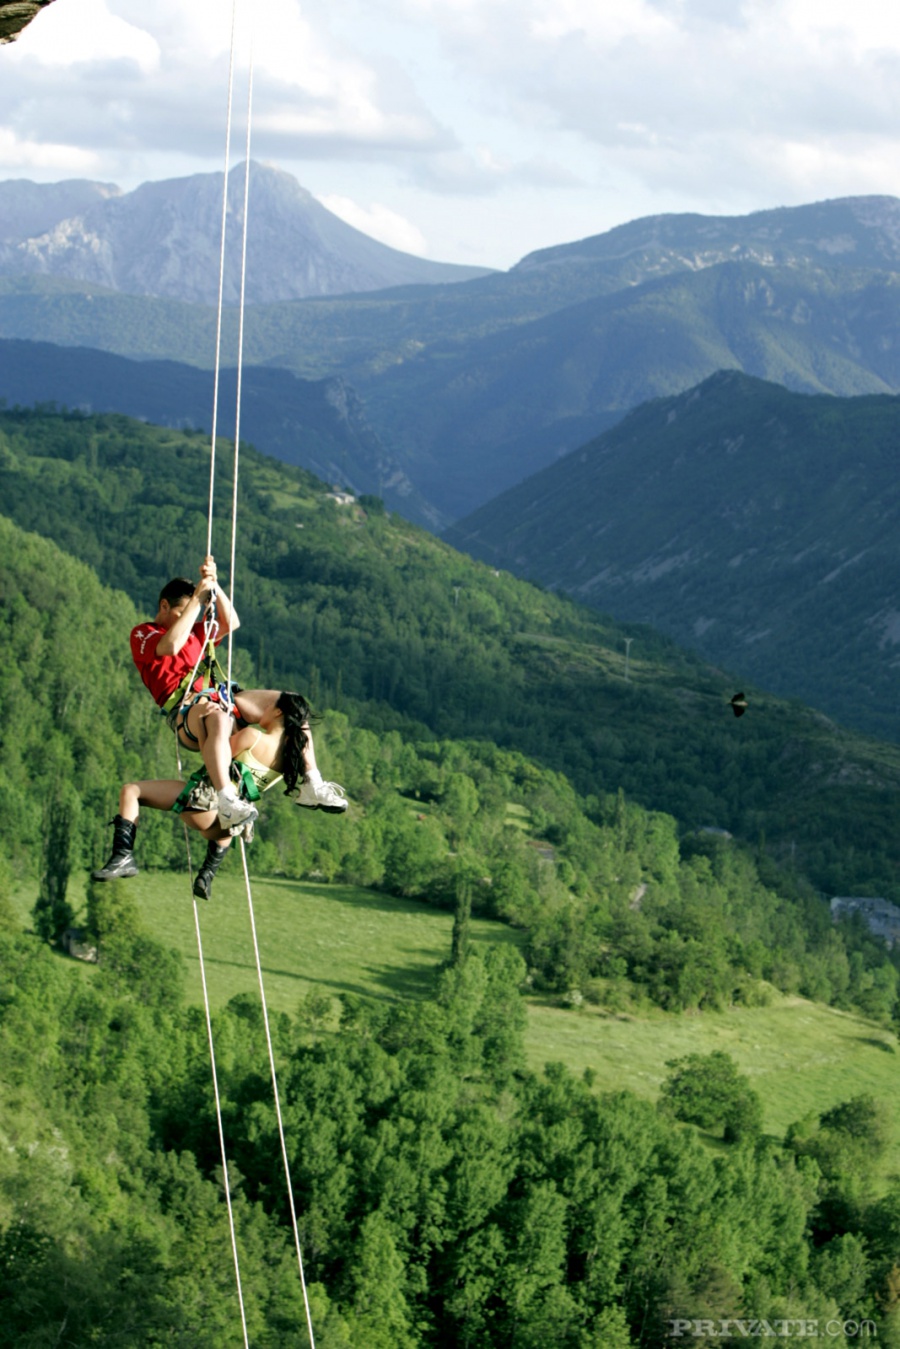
<point>162,239</point>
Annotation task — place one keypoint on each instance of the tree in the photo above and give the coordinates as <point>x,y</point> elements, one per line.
<point>841,1271</point>
<point>379,1316</point>
<point>52,913</point>
<point>707,1090</point>
<point>459,941</point>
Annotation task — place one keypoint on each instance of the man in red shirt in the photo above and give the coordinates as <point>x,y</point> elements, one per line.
<point>167,652</point>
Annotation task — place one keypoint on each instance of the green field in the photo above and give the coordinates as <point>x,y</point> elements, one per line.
<point>801,1056</point>
<point>332,938</point>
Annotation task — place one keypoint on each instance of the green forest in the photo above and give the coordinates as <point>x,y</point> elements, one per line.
<point>771,514</point>
<point>500,764</point>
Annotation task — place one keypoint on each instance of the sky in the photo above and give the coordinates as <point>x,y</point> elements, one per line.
<point>470,131</point>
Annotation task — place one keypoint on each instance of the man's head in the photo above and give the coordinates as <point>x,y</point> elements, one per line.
<point>172,600</point>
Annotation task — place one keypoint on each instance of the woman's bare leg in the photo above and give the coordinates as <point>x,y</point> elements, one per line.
<point>309,753</point>
<point>161,794</point>
<point>157,795</point>
<point>206,822</point>
<point>213,728</point>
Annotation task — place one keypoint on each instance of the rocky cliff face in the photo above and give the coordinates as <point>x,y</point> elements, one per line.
<point>16,15</point>
<point>163,239</point>
<point>28,210</point>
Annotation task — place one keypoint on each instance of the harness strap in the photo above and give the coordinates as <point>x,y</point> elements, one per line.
<point>212,675</point>
<point>248,788</point>
<point>174,699</point>
<point>182,800</point>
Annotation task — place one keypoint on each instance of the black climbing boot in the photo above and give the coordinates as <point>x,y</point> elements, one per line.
<point>203,880</point>
<point>122,862</point>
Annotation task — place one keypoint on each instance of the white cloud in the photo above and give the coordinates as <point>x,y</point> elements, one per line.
<point>379,222</point>
<point>764,97</point>
<point>132,77</point>
<point>480,172</point>
<point>64,160</point>
<point>83,32</point>
<point>549,117</point>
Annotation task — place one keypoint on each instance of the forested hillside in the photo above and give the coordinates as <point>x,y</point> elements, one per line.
<point>757,526</point>
<point>463,691</point>
<point>317,424</point>
<point>377,618</point>
<point>455,822</point>
<point>446,1195</point>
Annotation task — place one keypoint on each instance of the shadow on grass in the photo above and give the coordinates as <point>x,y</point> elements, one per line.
<point>407,981</point>
<point>876,1044</point>
<point>486,930</point>
<point>355,897</point>
<point>397,981</point>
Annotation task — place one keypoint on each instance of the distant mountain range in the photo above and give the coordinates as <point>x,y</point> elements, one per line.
<point>757,526</point>
<point>163,239</point>
<point>707,404</point>
<point>808,297</point>
<point>316,424</point>
<point>473,386</point>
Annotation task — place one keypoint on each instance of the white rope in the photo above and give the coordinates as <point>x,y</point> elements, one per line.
<point>208,634</point>
<point>231,577</point>
<point>215,406</point>
<point>227,1182</point>
<point>284,1154</point>
<point>240,352</point>
<point>215,1078</point>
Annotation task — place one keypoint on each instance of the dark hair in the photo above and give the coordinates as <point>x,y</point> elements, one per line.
<point>175,590</point>
<point>297,716</point>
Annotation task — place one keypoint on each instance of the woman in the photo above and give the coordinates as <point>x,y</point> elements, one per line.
<point>278,747</point>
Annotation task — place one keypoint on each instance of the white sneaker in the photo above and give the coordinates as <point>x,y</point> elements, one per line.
<point>316,794</point>
<point>233,811</point>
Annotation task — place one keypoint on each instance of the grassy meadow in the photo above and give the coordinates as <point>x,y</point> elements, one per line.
<point>800,1056</point>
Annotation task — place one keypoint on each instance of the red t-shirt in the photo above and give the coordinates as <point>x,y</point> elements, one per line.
<point>163,674</point>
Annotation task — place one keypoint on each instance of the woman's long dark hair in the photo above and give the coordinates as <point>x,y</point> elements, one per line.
<point>297,716</point>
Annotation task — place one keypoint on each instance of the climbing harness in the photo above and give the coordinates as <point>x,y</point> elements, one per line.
<point>209,671</point>
<point>198,793</point>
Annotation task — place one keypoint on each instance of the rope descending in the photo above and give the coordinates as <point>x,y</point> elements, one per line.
<point>210,632</point>
<point>275,1093</point>
<point>215,1080</point>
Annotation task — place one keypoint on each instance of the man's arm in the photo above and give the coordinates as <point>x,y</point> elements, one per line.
<point>225,615</point>
<point>174,638</point>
